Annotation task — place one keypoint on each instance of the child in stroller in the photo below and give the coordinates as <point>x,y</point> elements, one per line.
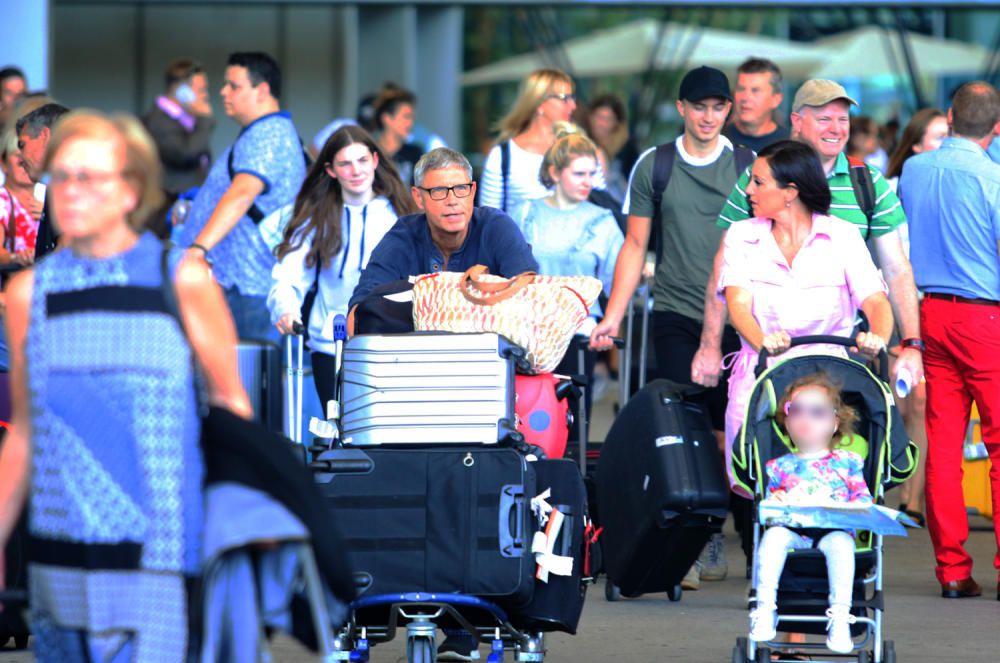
<point>815,418</point>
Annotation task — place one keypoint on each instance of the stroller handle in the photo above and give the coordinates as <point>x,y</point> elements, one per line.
<point>883,355</point>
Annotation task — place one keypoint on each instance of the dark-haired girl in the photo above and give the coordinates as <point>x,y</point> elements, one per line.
<point>351,197</point>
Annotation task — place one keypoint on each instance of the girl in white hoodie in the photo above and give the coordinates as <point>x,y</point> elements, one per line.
<point>350,198</point>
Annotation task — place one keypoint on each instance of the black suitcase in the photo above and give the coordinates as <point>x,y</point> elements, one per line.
<point>434,520</point>
<point>556,605</point>
<point>259,365</point>
<point>662,489</point>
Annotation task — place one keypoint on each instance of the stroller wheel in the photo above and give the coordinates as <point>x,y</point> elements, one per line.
<point>21,642</point>
<point>420,650</point>
<point>611,591</point>
<point>864,657</point>
<point>888,652</point>
<point>763,655</point>
<point>675,593</point>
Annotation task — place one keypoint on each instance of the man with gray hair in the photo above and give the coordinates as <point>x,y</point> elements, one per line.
<point>33,132</point>
<point>952,198</point>
<point>449,234</point>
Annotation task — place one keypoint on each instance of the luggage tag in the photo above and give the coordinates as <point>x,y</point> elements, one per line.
<point>543,546</point>
<point>590,536</point>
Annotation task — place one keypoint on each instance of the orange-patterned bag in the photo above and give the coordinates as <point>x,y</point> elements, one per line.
<point>537,313</point>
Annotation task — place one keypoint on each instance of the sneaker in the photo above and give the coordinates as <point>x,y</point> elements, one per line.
<point>692,580</point>
<point>763,623</point>
<point>458,647</point>
<point>713,559</point>
<point>838,627</point>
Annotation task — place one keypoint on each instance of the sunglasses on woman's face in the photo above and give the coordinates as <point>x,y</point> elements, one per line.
<point>812,410</point>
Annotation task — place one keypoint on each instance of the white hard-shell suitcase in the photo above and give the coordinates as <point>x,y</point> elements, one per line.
<point>428,388</point>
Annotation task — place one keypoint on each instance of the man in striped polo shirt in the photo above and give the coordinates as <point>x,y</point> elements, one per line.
<point>821,118</point>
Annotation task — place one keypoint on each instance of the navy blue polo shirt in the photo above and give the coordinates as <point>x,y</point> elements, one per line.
<point>407,250</point>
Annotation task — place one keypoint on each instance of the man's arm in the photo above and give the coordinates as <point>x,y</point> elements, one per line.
<point>628,270</point>
<point>706,367</point>
<point>903,295</point>
<point>511,253</point>
<point>232,207</point>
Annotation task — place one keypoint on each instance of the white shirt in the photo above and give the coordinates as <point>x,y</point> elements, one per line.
<point>523,183</point>
<point>362,226</point>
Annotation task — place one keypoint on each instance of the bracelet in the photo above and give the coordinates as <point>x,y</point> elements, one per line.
<point>199,246</point>
<point>917,343</point>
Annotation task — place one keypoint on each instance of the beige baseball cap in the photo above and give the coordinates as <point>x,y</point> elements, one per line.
<point>820,92</point>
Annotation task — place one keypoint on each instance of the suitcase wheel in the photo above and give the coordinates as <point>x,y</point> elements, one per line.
<point>611,591</point>
<point>675,593</point>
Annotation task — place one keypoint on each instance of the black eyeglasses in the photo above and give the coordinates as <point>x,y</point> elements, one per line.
<point>441,192</point>
<point>564,97</point>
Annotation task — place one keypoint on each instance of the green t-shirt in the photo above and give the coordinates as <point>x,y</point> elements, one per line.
<point>688,231</point>
<point>888,210</point>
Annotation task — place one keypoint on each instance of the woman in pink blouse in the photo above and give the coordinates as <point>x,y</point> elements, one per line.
<point>794,271</point>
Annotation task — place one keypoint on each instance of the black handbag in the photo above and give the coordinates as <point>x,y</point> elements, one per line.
<point>377,314</point>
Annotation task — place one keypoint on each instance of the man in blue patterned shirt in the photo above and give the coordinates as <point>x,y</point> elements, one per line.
<point>260,172</point>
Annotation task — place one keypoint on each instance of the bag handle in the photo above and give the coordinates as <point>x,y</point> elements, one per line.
<point>493,292</point>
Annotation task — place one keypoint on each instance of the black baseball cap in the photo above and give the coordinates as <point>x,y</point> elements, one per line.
<point>705,82</point>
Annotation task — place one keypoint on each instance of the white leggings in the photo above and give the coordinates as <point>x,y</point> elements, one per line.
<point>837,547</point>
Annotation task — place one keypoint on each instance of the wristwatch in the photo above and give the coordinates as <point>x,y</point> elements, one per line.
<point>917,343</point>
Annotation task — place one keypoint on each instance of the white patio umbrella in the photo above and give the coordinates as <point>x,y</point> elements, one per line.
<point>627,49</point>
<point>872,51</point>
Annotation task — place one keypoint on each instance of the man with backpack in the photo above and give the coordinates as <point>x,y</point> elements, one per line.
<point>682,184</point>
<point>261,171</point>
<point>861,195</point>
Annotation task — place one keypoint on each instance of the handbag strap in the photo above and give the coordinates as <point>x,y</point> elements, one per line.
<point>493,292</point>
<point>10,241</point>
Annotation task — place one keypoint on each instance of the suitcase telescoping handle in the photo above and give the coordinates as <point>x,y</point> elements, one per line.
<point>883,356</point>
<point>582,347</point>
<point>294,373</point>
<point>512,525</point>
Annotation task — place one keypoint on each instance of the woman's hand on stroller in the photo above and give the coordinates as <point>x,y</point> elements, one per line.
<point>870,344</point>
<point>287,324</point>
<point>776,342</point>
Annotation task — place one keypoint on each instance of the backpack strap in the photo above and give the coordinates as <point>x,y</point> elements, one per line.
<point>864,190</point>
<point>504,171</point>
<point>743,157</point>
<point>255,213</point>
<point>663,165</point>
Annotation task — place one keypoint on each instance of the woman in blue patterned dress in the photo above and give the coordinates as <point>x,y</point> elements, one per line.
<point>105,441</point>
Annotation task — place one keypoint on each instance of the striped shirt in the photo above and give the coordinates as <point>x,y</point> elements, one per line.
<point>888,210</point>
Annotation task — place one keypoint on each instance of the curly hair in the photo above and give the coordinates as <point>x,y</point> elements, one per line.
<point>847,416</point>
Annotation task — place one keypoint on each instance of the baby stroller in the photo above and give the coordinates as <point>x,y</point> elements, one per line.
<point>890,459</point>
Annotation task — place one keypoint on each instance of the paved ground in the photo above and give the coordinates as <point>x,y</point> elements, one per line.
<point>703,626</point>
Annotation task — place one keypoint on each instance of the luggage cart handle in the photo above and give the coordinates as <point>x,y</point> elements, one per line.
<point>883,355</point>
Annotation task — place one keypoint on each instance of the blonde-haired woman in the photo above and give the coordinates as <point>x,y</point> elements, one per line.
<point>570,236</point>
<point>510,175</point>
<point>105,435</point>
